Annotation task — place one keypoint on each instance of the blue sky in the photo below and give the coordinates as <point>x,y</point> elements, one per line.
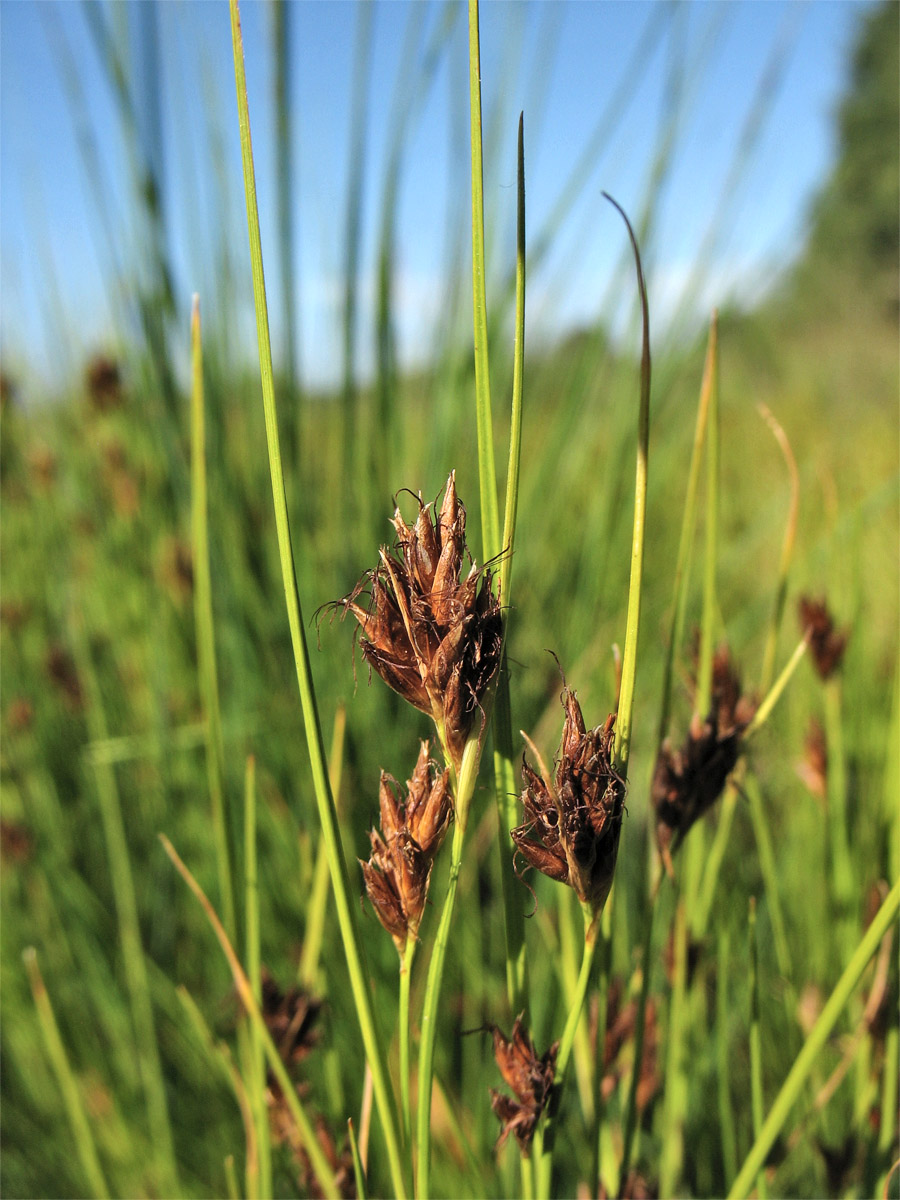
<point>730,102</point>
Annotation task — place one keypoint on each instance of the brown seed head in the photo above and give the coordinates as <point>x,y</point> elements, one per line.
<point>687,782</point>
<point>433,637</point>
<point>290,1017</point>
<point>826,644</point>
<point>103,382</point>
<point>531,1079</point>
<point>571,828</point>
<point>429,806</point>
<point>61,671</point>
<point>399,867</point>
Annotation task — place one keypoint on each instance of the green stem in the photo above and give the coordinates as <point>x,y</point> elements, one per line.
<point>707,624</point>
<point>714,857</point>
<point>403,1031</point>
<point>679,586</point>
<point>764,711</point>
<point>756,1088</point>
<point>629,1123</point>
<point>622,744</point>
<point>487,476</point>
<point>504,774</point>
<point>254,974</point>
<point>466,786</point>
<point>313,934</point>
<point>769,872</point>
<point>675,1101</point>
<point>793,1085</point>
<point>347,913</point>
<point>68,1084</point>
<point>837,812</point>
<point>726,1108</point>
<point>787,548</point>
<point>204,632</point>
<point>544,1159</point>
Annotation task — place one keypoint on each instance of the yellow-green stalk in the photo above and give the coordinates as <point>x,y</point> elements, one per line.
<point>346,910</point>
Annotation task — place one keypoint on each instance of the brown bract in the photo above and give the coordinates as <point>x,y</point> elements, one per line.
<point>399,868</point>
<point>687,782</point>
<point>571,828</point>
<point>431,633</point>
<point>826,644</point>
<point>530,1077</point>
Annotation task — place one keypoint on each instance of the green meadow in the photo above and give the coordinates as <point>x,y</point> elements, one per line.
<point>734,1027</point>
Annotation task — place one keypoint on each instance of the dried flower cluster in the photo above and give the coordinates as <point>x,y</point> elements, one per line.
<point>432,636</point>
<point>399,869</point>
<point>530,1077</point>
<point>687,782</point>
<point>826,644</point>
<point>571,828</point>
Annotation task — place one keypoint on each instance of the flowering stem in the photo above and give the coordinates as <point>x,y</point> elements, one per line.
<point>622,745</point>
<point>346,911</point>
<point>756,1086</point>
<point>837,815</point>
<point>787,546</point>
<point>203,627</point>
<point>629,1123</point>
<point>765,709</point>
<point>487,477</point>
<point>544,1164</point>
<point>675,1102</point>
<point>705,663</point>
<point>406,962</point>
<point>468,774</point>
<point>679,586</point>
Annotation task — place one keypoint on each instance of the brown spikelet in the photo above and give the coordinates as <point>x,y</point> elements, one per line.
<point>60,668</point>
<point>572,825</point>
<point>826,643</point>
<point>530,1078</point>
<point>290,1017</point>
<point>813,769</point>
<point>433,636</point>
<point>399,867</point>
<point>688,781</point>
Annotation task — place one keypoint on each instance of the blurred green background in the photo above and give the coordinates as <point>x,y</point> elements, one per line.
<point>101,712</point>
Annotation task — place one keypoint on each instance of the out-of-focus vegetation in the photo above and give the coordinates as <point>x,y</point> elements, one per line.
<point>103,728</point>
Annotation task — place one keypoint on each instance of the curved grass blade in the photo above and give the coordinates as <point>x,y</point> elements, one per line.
<point>346,911</point>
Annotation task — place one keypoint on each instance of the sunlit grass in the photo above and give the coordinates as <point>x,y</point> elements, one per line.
<point>126,1059</point>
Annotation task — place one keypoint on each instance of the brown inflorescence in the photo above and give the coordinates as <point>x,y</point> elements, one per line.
<point>813,769</point>
<point>290,1018</point>
<point>687,782</point>
<point>531,1079</point>
<point>826,644</point>
<point>433,636</point>
<point>571,828</point>
<point>621,1022</point>
<point>103,382</point>
<point>399,869</point>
